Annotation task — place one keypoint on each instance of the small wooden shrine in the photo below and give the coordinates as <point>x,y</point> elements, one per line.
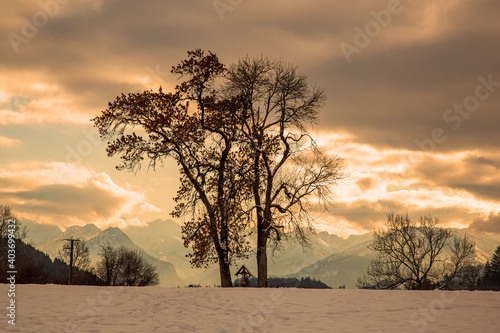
<point>245,273</point>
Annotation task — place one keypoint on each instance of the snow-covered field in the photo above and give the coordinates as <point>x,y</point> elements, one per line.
<point>52,308</point>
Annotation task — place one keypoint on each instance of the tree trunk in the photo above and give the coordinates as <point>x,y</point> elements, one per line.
<point>225,273</point>
<point>262,258</point>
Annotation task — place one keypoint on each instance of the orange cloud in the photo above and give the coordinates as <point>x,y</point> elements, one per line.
<point>64,194</point>
<point>490,224</point>
<point>8,142</point>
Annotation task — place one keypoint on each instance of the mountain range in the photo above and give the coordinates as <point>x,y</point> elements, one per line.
<point>333,260</point>
<point>96,238</point>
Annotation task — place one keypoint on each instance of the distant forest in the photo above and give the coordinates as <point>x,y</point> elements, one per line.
<point>34,266</point>
<point>275,282</point>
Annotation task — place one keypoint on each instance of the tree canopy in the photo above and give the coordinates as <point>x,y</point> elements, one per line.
<point>243,152</point>
<point>287,167</point>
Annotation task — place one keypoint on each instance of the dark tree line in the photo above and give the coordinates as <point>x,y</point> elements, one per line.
<point>276,282</point>
<point>491,276</point>
<point>126,267</point>
<point>32,265</point>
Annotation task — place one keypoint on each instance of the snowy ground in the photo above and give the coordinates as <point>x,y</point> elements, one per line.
<point>51,308</point>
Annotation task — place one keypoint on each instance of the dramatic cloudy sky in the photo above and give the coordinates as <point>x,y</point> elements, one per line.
<point>413,105</point>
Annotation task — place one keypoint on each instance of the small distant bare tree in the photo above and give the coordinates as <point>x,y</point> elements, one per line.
<point>107,267</point>
<point>81,256</point>
<point>416,255</point>
<point>462,262</point>
<point>124,267</point>
<point>467,278</point>
<point>7,215</point>
<point>11,232</point>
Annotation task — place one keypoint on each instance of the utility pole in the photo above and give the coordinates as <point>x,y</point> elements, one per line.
<point>70,246</point>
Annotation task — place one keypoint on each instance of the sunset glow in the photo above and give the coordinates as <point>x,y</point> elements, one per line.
<point>413,102</point>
